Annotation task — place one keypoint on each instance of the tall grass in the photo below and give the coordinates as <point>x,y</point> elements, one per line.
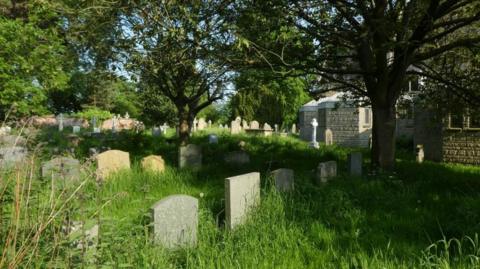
<point>408,220</point>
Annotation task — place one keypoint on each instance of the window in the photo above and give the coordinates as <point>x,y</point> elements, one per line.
<point>456,120</point>
<point>474,118</point>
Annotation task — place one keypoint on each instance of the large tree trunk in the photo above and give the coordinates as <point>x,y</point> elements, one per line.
<point>383,137</point>
<point>184,127</point>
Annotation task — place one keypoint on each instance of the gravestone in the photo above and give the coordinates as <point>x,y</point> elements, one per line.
<point>294,129</point>
<point>60,122</point>
<point>12,140</point>
<point>10,156</point>
<point>175,221</point>
<point>245,125</point>
<point>355,163</point>
<point>212,139</point>
<point>209,124</point>
<point>326,170</point>
<point>202,124</point>
<point>267,127</point>
<point>420,154</point>
<point>237,158</point>
<point>96,130</point>
<point>64,168</point>
<point>254,125</point>
<point>190,156</point>
<point>328,137</point>
<point>242,193</point>
<point>235,127</point>
<point>276,128</point>
<point>5,130</point>
<point>76,129</point>
<point>156,131</point>
<point>283,179</point>
<point>111,161</point>
<point>195,122</point>
<point>313,142</point>
<point>153,163</point>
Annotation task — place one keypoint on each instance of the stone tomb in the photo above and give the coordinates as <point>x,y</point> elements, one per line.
<point>190,156</point>
<point>237,158</point>
<point>175,221</point>
<point>325,171</point>
<point>355,163</point>
<point>62,168</point>
<point>242,193</point>
<point>112,161</point>
<point>283,179</point>
<point>154,163</point>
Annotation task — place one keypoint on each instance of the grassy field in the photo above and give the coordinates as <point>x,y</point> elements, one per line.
<point>424,216</point>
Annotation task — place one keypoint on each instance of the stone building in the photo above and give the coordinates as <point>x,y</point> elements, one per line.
<point>347,124</point>
<point>344,123</point>
<point>454,138</point>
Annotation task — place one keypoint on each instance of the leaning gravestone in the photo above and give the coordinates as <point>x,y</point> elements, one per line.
<point>237,158</point>
<point>190,156</point>
<point>10,156</point>
<point>355,163</point>
<point>283,179</point>
<point>62,168</point>
<point>326,170</point>
<point>328,137</point>
<point>111,161</point>
<point>242,193</point>
<point>153,163</point>
<point>76,129</point>
<point>175,221</point>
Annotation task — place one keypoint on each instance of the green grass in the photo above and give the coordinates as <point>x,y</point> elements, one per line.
<point>424,216</point>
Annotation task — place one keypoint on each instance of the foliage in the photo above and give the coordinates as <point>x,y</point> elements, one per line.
<point>93,112</point>
<point>264,97</point>
<point>346,223</point>
<point>31,66</point>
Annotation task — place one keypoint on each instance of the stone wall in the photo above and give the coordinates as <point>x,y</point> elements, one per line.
<point>345,122</point>
<point>305,117</point>
<point>461,146</point>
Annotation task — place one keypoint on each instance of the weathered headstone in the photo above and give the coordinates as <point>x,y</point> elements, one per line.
<point>420,154</point>
<point>5,130</point>
<point>111,161</point>
<point>313,142</point>
<point>328,137</point>
<point>254,125</point>
<point>127,116</point>
<point>96,130</point>
<point>62,168</point>
<point>156,131</point>
<point>294,129</point>
<point>267,127</point>
<point>212,139</point>
<point>209,124</point>
<point>237,158</point>
<point>153,163</point>
<point>326,170</point>
<point>355,163</point>
<point>10,156</point>
<point>245,125</point>
<point>235,127</point>
<point>76,129</point>
<point>283,179</point>
<point>202,124</point>
<point>276,128</point>
<point>175,221</point>
<point>190,156</point>
<point>12,140</point>
<point>242,193</point>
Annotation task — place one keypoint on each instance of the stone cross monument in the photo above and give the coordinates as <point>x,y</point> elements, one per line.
<point>314,143</point>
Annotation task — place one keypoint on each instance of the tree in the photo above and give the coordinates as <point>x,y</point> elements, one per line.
<point>173,49</point>
<point>369,47</point>
<point>264,96</point>
<point>31,66</point>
